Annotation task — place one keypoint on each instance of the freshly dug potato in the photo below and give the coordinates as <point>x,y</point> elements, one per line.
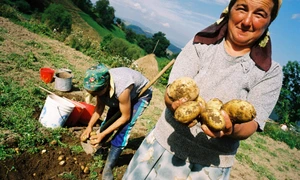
<point>239,111</point>
<point>187,111</point>
<point>200,100</point>
<point>214,103</point>
<point>93,133</point>
<point>85,138</point>
<point>213,119</point>
<point>184,87</point>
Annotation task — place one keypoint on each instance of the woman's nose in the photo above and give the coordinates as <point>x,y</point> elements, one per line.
<point>247,21</point>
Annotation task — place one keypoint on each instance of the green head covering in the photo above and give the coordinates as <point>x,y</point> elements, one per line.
<point>96,78</point>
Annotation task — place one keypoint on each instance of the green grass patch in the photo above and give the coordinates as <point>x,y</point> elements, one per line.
<point>292,139</point>
<point>261,170</point>
<point>245,146</point>
<point>101,30</point>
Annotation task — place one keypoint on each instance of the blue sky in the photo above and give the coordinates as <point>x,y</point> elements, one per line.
<point>180,20</point>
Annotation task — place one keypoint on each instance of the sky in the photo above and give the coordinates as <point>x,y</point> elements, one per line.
<point>180,20</point>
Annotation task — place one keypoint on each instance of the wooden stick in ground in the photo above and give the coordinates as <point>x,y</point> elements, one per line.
<point>118,114</point>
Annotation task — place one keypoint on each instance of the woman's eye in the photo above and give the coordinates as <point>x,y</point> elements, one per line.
<point>263,15</point>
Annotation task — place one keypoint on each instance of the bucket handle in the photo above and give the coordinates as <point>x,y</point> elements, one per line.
<point>62,117</point>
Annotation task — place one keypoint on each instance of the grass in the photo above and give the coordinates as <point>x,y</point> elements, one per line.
<point>261,170</point>
<point>101,31</point>
<point>259,146</point>
<point>291,138</point>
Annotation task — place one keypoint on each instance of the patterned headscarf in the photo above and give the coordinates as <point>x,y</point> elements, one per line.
<point>261,52</point>
<point>96,78</point>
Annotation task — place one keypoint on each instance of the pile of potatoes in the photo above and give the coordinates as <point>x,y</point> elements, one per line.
<point>209,113</point>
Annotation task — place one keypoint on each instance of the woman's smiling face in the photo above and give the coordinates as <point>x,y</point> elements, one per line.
<point>248,20</point>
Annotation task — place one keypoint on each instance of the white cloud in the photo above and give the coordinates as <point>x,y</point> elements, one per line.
<point>166,25</point>
<point>219,2</point>
<point>139,7</point>
<point>296,16</point>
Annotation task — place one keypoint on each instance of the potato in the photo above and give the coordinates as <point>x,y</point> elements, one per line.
<point>184,87</point>
<point>214,103</point>
<point>239,111</point>
<point>213,119</point>
<point>200,100</point>
<point>187,111</point>
<point>93,133</point>
<point>62,162</point>
<point>84,138</point>
<point>86,170</point>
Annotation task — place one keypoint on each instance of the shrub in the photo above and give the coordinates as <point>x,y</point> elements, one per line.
<point>8,12</point>
<point>133,52</point>
<point>57,18</point>
<point>23,6</point>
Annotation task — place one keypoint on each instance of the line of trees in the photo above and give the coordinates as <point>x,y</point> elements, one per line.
<point>104,14</point>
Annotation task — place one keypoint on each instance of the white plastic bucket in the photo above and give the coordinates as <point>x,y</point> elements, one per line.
<point>55,112</point>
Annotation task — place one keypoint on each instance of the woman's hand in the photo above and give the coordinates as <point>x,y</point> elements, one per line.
<point>173,105</point>
<point>86,134</point>
<point>96,139</point>
<point>228,130</point>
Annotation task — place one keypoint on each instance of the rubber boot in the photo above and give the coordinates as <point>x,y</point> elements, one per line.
<point>111,161</point>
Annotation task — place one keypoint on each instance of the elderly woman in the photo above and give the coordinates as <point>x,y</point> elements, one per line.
<point>230,59</point>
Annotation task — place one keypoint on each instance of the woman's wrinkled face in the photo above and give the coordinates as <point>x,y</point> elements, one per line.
<point>248,20</point>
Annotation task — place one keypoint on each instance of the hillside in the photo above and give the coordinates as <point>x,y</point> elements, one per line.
<point>259,157</point>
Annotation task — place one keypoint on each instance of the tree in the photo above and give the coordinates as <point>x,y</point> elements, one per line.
<point>85,5</point>
<point>105,12</point>
<point>23,6</point>
<point>130,35</point>
<point>145,43</point>
<point>163,44</point>
<point>56,17</point>
<point>288,105</point>
<point>118,21</point>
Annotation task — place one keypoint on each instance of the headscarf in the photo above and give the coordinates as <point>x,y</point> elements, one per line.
<point>96,78</point>
<point>261,52</point>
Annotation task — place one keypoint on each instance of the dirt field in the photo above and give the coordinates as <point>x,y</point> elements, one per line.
<point>44,165</point>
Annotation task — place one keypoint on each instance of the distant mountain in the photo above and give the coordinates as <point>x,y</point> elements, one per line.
<point>128,22</point>
<point>174,49</point>
<point>139,30</point>
<point>148,33</point>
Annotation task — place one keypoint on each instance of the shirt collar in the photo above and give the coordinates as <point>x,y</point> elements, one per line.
<point>112,87</point>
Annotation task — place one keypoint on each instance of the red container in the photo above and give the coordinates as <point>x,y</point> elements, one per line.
<point>75,115</point>
<point>47,74</point>
<point>87,113</point>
